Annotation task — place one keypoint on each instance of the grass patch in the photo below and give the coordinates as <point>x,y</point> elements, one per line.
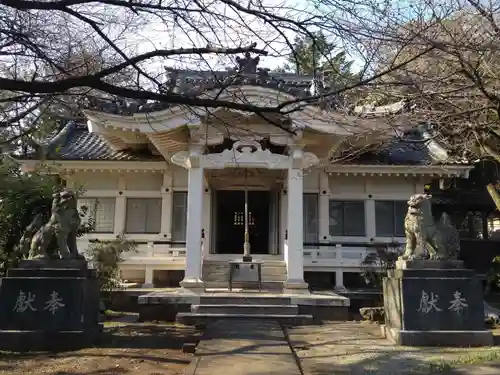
<point>113,324</point>
<point>113,314</point>
<point>471,359</point>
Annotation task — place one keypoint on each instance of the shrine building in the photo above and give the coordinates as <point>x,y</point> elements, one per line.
<point>321,186</point>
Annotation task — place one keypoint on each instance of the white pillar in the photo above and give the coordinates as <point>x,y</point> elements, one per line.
<point>371,225</point>
<point>192,275</point>
<point>294,256</point>
<point>166,205</point>
<point>283,222</point>
<point>339,279</point>
<point>324,202</point>
<point>148,279</point>
<point>120,207</point>
<point>207,199</point>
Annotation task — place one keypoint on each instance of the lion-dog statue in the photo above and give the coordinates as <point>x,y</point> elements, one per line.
<point>62,226</point>
<point>425,238</point>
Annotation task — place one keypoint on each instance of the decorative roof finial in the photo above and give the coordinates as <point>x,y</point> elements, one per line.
<point>247,64</point>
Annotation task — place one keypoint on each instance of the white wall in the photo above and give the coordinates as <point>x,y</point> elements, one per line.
<point>377,186</point>
<point>161,184</point>
<point>134,181</point>
<point>370,189</point>
<point>143,181</point>
<point>180,178</point>
<point>140,184</point>
<point>96,180</point>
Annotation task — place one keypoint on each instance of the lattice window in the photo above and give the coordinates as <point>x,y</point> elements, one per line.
<point>311,219</point>
<point>347,218</point>
<point>239,219</point>
<point>100,211</point>
<point>179,215</point>
<point>390,218</point>
<point>143,215</point>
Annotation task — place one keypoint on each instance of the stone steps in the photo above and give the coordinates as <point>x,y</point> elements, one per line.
<point>267,271</point>
<point>224,275</point>
<point>238,306</point>
<point>242,300</point>
<point>201,319</point>
<point>225,278</point>
<point>216,274</point>
<point>275,286</point>
<point>246,309</point>
<point>214,305</point>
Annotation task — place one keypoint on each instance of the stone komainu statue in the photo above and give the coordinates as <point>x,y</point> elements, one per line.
<point>426,238</point>
<point>62,226</point>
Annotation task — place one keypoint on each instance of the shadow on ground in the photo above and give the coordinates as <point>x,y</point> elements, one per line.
<point>359,349</point>
<point>105,371</point>
<point>386,364</point>
<point>132,349</point>
<point>144,336</point>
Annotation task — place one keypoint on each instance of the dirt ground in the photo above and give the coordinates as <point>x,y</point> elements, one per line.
<point>357,348</point>
<point>128,348</point>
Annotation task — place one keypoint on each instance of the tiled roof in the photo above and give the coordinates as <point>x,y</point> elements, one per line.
<point>76,143</point>
<point>413,148</point>
<point>467,194</point>
<point>80,144</point>
<point>464,199</point>
<point>193,83</point>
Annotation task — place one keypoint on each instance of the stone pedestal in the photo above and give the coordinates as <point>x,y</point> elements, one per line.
<point>434,303</point>
<point>49,305</point>
<point>245,272</point>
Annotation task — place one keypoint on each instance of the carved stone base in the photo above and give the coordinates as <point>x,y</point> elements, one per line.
<point>426,306</point>
<point>78,263</point>
<point>429,264</point>
<point>461,339</point>
<point>24,341</point>
<point>48,303</point>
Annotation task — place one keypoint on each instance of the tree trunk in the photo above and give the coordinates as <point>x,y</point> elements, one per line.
<point>494,195</point>
<point>491,188</point>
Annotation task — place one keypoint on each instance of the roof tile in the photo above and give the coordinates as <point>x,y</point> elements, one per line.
<point>80,144</point>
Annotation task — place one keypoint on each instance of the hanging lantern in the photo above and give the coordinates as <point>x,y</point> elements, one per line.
<point>246,244</point>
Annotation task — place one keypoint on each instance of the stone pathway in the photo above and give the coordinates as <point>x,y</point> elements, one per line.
<point>356,348</point>
<point>243,348</point>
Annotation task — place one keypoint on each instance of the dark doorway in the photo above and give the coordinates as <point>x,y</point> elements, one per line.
<point>230,216</point>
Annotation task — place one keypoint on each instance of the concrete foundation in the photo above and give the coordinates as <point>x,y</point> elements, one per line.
<point>166,305</point>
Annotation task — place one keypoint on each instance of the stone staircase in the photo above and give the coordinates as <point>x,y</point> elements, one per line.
<point>216,275</point>
<point>266,307</point>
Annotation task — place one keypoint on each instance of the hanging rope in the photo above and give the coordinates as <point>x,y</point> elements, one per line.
<point>246,245</point>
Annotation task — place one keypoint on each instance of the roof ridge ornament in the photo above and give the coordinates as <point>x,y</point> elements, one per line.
<point>247,64</point>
